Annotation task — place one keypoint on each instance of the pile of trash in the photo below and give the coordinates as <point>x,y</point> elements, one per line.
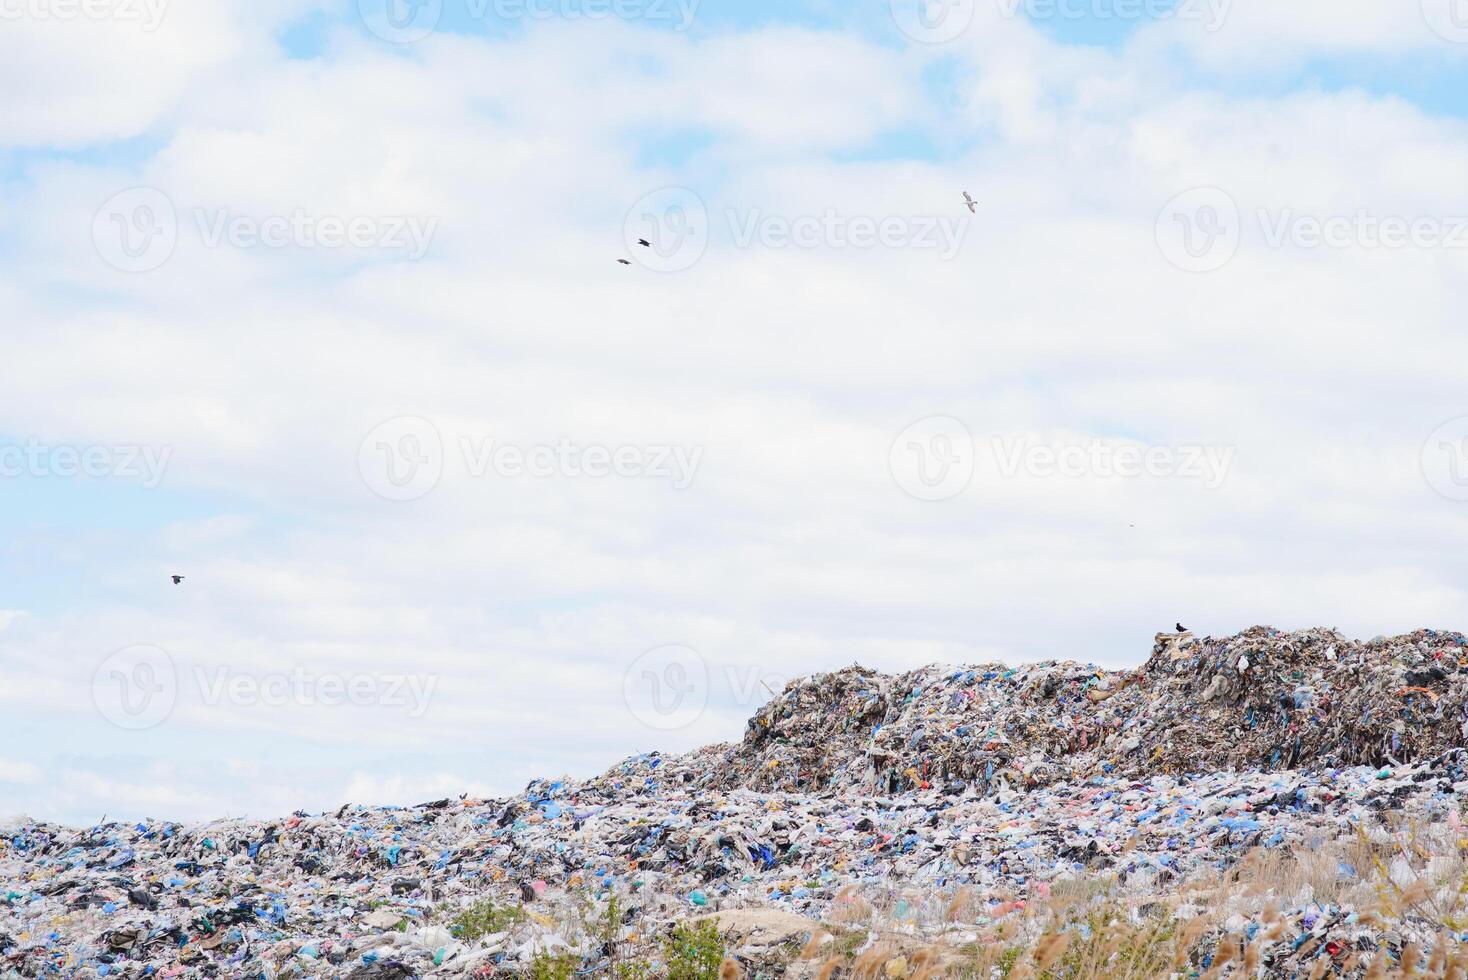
<point>1262,699</point>
<point>852,794</point>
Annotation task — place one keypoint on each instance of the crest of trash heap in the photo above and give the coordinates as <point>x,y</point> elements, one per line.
<point>1262,699</point>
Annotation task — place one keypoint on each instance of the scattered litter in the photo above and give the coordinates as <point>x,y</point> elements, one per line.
<point>1002,781</point>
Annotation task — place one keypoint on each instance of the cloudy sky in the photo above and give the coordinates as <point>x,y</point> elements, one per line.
<point>318,304</point>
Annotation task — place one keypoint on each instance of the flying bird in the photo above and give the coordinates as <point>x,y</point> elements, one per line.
<point>972,204</point>
<point>644,243</point>
<point>177,579</point>
<point>623,262</point>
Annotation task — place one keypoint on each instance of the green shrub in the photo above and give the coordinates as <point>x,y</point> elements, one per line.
<point>634,970</point>
<point>553,966</point>
<point>694,952</point>
<point>483,918</point>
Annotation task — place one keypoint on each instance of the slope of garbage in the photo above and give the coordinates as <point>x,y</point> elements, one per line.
<point>850,791</point>
<point>1262,699</point>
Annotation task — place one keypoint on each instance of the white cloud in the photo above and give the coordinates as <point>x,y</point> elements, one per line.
<point>13,771</point>
<point>1259,35</point>
<point>791,369</point>
<point>64,70</point>
<point>379,788</point>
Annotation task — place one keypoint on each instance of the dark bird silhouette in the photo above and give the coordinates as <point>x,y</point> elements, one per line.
<point>177,579</point>
<point>644,243</point>
<point>1181,628</point>
<point>623,262</point>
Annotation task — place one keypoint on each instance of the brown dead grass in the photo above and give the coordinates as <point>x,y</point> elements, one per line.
<point>1405,880</point>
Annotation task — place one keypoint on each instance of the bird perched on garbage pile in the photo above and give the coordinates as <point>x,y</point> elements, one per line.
<point>1181,628</point>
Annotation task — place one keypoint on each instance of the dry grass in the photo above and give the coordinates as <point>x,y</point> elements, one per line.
<point>1390,903</point>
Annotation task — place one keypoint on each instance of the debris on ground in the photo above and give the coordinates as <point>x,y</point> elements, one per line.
<point>930,806</point>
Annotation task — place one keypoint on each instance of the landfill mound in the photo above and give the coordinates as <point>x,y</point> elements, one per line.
<point>933,805</point>
<point>1262,699</point>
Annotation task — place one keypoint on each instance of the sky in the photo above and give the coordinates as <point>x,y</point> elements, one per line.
<point>319,305</point>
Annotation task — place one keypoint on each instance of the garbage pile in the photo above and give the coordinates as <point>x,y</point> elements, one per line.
<point>1262,699</point>
<point>849,790</point>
